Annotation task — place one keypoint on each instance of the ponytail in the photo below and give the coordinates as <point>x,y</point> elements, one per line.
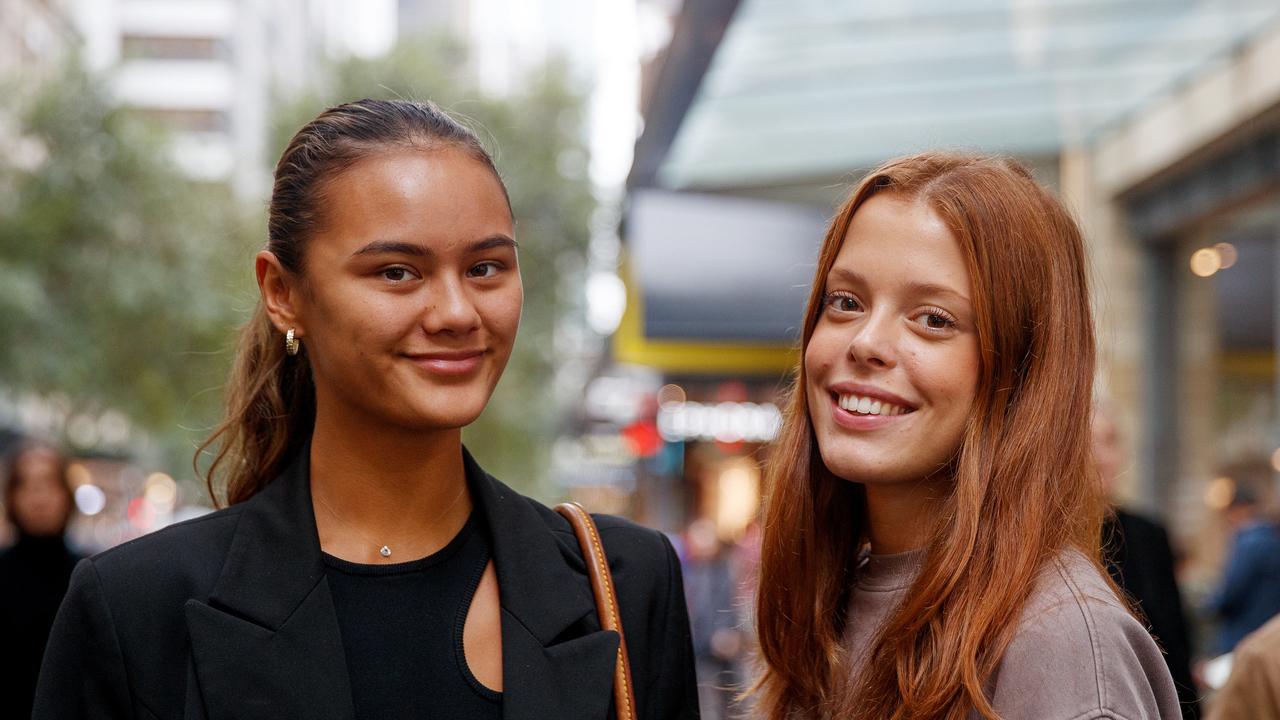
<point>270,411</point>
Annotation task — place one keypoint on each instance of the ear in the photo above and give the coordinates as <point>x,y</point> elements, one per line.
<point>280,293</point>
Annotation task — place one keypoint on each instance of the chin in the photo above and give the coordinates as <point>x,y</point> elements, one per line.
<point>862,467</point>
<point>441,420</point>
<point>433,416</point>
<point>450,414</point>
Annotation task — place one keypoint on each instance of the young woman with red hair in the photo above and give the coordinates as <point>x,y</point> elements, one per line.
<point>931,540</point>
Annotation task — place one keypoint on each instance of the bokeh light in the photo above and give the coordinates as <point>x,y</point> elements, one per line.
<point>161,491</point>
<point>90,499</point>
<point>78,474</point>
<point>1205,262</point>
<point>671,393</point>
<point>1219,492</point>
<point>1227,254</point>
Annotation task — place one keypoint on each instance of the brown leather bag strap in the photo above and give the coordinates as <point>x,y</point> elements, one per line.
<point>606,601</point>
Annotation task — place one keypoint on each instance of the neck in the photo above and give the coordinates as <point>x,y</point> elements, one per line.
<point>900,515</point>
<point>373,486</point>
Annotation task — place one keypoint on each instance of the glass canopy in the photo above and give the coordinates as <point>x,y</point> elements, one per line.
<point>804,89</point>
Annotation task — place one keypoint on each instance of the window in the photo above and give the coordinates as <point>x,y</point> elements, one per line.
<point>188,120</point>
<point>150,47</point>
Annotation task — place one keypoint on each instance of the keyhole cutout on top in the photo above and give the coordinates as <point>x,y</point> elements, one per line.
<point>482,632</point>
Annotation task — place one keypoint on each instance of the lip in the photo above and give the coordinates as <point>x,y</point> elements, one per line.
<point>853,421</point>
<point>848,388</point>
<point>455,362</point>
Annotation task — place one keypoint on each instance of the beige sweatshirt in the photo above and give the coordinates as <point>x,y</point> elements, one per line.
<point>1253,690</point>
<point>1078,654</point>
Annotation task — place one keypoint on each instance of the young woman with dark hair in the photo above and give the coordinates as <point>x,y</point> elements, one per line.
<point>35,570</point>
<point>367,567</point>
<point>931,536</point>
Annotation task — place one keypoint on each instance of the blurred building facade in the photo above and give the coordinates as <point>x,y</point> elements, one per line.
<point>507,39</point>
<point>1159,123</point>
<point>1180,199</point>
<point>35,35</point>
<point>211,70</point>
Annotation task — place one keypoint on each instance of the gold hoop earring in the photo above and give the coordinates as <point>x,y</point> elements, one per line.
<point>291,343</point>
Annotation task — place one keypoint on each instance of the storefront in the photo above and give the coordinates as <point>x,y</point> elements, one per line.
<point>1184,199</point>
<point>1159,123</point>
<point>703,354</point>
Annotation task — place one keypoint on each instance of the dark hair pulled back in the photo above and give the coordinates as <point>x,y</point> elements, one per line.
<point>270,398</point>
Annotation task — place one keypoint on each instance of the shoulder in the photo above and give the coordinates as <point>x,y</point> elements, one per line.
<point>1136,524</point>
<point>201,535</point>
<point>1075,630</point>
<point>644,566</point>
<point>629,546</point>
<point>1255,670</point>
<point>184,558</point>
<point>131,597</point>
<point>1260,535</point>
<point>632,540</point>
<point>635,553</point>
<point>1262,645</point>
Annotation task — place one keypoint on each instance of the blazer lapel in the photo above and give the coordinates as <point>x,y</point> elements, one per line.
<point>572,679</point>
<point>555,660</point>
<point>267,643</point>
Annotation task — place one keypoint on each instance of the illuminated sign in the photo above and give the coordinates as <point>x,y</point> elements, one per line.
<point>727,422</point>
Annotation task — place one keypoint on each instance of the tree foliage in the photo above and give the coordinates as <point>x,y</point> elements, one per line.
<point>118,277</point>
<point>121,281</point>
<point>537,137</point>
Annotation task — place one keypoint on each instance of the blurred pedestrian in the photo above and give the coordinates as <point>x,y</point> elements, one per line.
<point>1249,592</point>
<point>744,561</point>
<point>931,534</point>
<point>1252,691</point>
<point>367,567</point>
<point>34,571</point>
<point>713,619</point>
<point>1140,559</point>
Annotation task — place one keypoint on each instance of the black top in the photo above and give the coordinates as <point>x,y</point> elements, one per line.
<point>33,578</point>
<point>402,627</point>
<point>230,617</point>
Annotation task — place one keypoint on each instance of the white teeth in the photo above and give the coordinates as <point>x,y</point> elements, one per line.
<point>869,406</point>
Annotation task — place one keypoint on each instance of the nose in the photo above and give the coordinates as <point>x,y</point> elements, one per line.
<point>873,341</point>
<point>450,309</point>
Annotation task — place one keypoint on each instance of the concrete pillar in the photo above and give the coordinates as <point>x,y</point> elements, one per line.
<point>1117,285</point>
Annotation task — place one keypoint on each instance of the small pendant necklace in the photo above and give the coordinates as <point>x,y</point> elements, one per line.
<point>385,550</point>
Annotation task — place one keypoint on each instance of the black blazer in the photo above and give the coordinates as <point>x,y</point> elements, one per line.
<point>229,616</point>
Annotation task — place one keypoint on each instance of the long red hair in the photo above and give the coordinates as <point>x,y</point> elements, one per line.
<point>1022,486</point>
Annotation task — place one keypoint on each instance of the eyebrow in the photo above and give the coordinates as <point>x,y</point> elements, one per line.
<point>913,288</point>
<point>396,247</point>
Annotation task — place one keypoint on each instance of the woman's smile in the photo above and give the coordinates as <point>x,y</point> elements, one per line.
<point>863,407</point>
<point>457,362</point>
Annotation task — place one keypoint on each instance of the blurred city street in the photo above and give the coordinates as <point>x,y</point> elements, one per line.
<point>672,167</point>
